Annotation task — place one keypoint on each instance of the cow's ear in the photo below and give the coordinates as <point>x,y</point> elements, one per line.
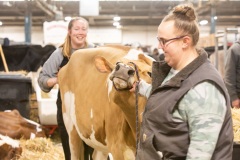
<point>103,65</point>
<point>146,59</point>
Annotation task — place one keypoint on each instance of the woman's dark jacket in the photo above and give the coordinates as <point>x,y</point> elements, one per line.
<point>159,132</point>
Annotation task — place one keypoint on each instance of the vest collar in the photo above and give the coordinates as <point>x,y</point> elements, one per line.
<point>161,70</point>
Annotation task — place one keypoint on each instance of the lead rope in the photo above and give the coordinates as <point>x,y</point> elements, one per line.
<point>137,132</point>
<point>136,103</point>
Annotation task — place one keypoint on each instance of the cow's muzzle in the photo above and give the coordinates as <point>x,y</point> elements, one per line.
<point>122,77</point>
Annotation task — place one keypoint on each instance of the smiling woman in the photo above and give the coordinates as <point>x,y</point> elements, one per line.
<point>76,39</point>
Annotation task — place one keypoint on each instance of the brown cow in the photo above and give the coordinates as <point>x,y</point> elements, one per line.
<point>94,109</point>
<point>13,125</point>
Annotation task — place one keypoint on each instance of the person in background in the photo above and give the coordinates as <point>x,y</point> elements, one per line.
<point>155,54</point>
<point>232,74</point>
<point>158,56</point>
<point>188,114</point>
<point>6,41</point>
<point>161,55</point>
<point>76,39</point>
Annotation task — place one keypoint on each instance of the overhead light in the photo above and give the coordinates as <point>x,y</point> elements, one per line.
<point>203,22</point>
<point>119,27</point>
<point>215,17</point>
<point>117,18</point>
<point>116,24</point>
<point>7,3</point>
<point>1,23</point>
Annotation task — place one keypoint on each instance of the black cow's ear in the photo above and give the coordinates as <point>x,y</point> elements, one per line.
<point>102,64</point>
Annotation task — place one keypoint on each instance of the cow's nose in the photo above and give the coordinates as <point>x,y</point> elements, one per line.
<point>128,70</point>
<point>122,72</point>
<point>131,72</point>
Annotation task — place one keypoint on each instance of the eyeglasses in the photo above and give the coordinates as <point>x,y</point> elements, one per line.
<point>163,41</point>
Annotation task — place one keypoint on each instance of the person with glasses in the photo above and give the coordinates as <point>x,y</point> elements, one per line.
<point>76,39</point>
<point>187,115</point>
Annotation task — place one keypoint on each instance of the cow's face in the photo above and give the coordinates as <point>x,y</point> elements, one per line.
<point>127,70</point>
<point>122,76</point>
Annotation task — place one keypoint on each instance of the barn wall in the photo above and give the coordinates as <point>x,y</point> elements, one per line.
<point>145,35</point>
<point>17,34</point>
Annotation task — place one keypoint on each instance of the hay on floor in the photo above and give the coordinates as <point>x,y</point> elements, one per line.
<point>40,149</point>
<point>236,124</point>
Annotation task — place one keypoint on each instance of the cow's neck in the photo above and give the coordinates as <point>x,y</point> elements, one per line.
<point>125,101</point>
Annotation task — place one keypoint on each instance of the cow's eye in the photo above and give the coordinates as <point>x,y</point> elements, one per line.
<point>150,74</point>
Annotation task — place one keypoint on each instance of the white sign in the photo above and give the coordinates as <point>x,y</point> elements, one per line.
<point>55,32</point>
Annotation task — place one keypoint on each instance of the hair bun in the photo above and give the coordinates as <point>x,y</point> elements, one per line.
<point>185,11</point>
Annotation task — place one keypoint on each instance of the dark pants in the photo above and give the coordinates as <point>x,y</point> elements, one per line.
<point>88,151</point>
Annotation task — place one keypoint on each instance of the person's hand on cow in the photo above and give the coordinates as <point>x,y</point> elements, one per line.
<point>236,103</point>
<point>144,88</point>
<point>133,89</point>
<point>52,81</point>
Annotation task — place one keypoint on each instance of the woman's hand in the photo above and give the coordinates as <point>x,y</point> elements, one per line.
<point>133,89</point>
<point>52,81</point>
<point>144,89</point>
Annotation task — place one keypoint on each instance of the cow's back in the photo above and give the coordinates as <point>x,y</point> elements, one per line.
<point>83,59</point>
